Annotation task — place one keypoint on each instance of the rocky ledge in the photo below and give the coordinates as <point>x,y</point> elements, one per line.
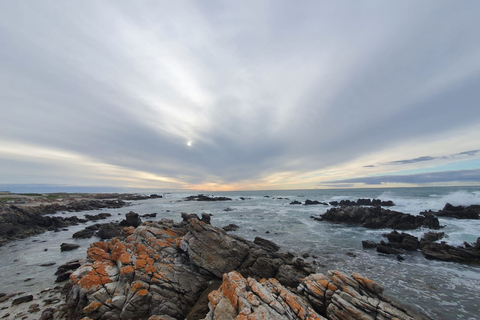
<point>166,270</point>
<point>377,218</point>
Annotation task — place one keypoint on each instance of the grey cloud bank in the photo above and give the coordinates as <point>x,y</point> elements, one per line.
<point>205,94</point>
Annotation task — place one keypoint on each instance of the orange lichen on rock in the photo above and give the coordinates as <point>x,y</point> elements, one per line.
<point>140,264</point>
<point>97,253</point>
<point>214,298</point>
<point>117,248</point>
<point>137,286</point>
<point>92,307</point>
<point>128,231</point>
<point>93,279</point>
<point>100,244</point>
<point>367,283</point>
<point>142,292</point>
<point>141,248</point>
<point>124,258</point>
<point>232,283</point>
<point>293,304</point>
<point>126,269</point>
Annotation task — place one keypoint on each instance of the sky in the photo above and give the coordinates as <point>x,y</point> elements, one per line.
<point>240,95</point>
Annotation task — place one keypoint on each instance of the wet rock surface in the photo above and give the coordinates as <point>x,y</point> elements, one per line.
<point>459,212</point>
<point>162,269</point>
<point>377,217</point>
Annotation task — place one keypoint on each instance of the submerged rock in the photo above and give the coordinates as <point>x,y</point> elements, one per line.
<point>202,197</point>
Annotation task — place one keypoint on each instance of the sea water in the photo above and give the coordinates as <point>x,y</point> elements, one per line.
<point>442,290</point>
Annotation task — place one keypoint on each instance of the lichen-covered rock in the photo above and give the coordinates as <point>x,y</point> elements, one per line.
<point>162,269</point>
<point>240,298</point>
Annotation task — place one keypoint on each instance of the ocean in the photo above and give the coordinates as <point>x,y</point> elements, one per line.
<point>443,290</point>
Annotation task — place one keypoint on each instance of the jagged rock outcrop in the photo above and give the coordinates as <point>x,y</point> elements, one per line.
<point>336,296</point>
<point>163,267</point>
<point>459,212</point>
<point>363,202</point>
<point>377,217</point>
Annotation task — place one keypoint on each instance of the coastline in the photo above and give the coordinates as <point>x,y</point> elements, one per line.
<point>242,230</point>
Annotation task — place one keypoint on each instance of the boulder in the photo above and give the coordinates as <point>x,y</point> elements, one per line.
<point>295,202</point>
<point>314,202</point>
<point>202,197</point>
<point>444,252</point>
<point>21,300</point>
<point>267,244</point>
<point>132,219</point>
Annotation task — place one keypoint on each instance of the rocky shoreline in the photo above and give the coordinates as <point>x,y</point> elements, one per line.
<point>168,270</point>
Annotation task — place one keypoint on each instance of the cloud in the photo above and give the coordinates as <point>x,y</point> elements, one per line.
<point>260,89</point>
<point>419,159</point>
<point>420,178</point>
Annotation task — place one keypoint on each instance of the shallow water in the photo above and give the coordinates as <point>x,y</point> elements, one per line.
<point>442,290</point>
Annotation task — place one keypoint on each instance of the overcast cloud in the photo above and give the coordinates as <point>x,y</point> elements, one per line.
<point>244,95</point>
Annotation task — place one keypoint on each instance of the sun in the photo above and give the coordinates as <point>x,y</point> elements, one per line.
<point>189,143</point>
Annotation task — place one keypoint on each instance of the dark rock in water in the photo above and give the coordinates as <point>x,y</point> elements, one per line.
<point>444,252</point>
<point>22,300</point>
<point>267,244</point>
<point>367,244</point>
<point>96,217</point>
<point>460,212</point>
<point>68,246</point>
<point>363,202</point>
<point>400,258</point>
<point>132,219</point>
<point>85,233</point>
<point>374,217</point>
<point>295,202</point>
<point>431,236</point>
<point>49,264</point>
<point>402,240</point>
<point>202,197</point>
<point>231,227</point>
<point>314,202</point>
<point>388,250</point>
<point>149,215</point>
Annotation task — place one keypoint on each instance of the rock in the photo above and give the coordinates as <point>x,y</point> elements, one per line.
<point>374,217</point>
<point>267,244</point>
<point>367,244</point>
<point>231,227</point>
<point>47,314</point>
<point>163,267</point>
<point>445,252</point>
<point>202,197</point>
<point>96,217</point>
<point>206,218</point>
<point>295,202</point>
<point>336,296</point>
<point>460,212</point>
<point>149,215</point>
<point>314,202</point>
<point>108,231</point>
<point>388,250</point>
<point>48,264</point>
<point>430,237</point>
<point>132,219</point>
<point>22,300</point>
<point>363,202</point>
<point>68,246</point>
